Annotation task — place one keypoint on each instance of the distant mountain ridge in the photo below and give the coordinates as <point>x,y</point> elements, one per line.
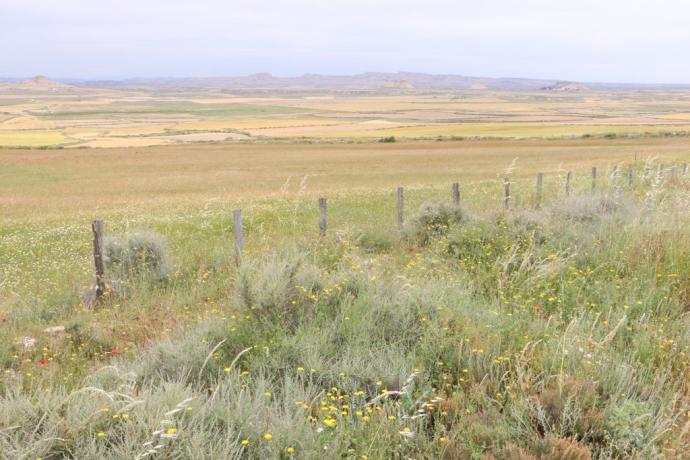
<point>381,81</point>
<point>368,80</point>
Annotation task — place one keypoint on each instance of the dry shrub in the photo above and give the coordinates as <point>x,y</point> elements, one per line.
<point>137,253</point>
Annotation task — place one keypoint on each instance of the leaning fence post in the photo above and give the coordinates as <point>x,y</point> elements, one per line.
<point>594,179</point>
<point>239,236</point>
<point>323,217</point>
<point>506,193</point>
<point>540,182</point>
<point>97,227</point>
<point>568,178</point>
<point>456,194</point>
<point>401,205</point>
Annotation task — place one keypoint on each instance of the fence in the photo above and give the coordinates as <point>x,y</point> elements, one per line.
<point>508,198</point>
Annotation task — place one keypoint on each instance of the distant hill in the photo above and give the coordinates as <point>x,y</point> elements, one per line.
<point>38,83</point>
<point>566,86</point>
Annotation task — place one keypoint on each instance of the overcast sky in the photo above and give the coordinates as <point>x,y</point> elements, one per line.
<point>585,40</point>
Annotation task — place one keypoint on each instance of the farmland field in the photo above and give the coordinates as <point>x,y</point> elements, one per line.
<point>137,117</point>
<point>558,328</point>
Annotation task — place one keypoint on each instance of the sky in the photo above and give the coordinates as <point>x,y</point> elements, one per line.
<point>582,40</point>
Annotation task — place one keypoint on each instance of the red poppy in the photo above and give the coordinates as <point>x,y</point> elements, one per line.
<point>114,351</point>
<point>43,362</point>
<point>538,308</point>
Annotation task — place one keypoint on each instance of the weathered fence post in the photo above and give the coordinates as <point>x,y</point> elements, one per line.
<point>594,179</point>
<point>506,193</point>
<point>540,183</point>
<point>685,169</point>
<point>97,227</point>
<point>401,216</point>
<point>673,171</point>
<point>568,187</point>
<point>630,176</point>
<point>456,194</point>
<point>239,236</point>
<point>323,217</point>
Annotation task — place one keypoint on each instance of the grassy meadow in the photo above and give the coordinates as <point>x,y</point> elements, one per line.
<point>557,329</point>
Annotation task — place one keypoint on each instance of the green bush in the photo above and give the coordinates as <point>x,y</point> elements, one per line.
<point>434,219</point>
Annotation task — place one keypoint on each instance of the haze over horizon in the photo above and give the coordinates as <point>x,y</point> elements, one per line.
<point>618,41</point>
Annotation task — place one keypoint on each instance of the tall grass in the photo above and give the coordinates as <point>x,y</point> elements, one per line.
<point>557,333</point>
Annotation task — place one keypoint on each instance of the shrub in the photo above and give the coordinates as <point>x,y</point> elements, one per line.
<point>630,426</point>
<point>589,208</point>
<point>434,219</point>
<point>388,139</point>
<point>137,253</point>
<point>373,242</point>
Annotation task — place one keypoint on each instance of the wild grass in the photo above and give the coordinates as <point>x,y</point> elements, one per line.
<point>558,332</point>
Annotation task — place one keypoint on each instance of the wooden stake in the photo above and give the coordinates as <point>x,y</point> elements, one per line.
<point>401,205</point>
<point>540,183</point>
<point>568,188</point>
<point>456,194</point>
<point>239,235</point>
<point>506,193</point>
<point>323,217</point>
<point>594,179</point>
<point>97,228</point>
<point>630,176</point>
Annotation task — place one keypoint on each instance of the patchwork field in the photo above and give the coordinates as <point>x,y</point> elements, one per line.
<point>126,117</point>
<point>555,328</point>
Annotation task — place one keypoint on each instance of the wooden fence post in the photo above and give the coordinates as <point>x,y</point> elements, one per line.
<point>97,227</point>
<point>239,235</point>
<point>630,176</point>
<point>594,179</point>
<point>401,206</point>
<point>685,169</point>
<point>673,171</point>
<point>323,217</point>
<point>456,194</point>
<point>506,193</point>
<point>540,183</point>
<point>568,187</point>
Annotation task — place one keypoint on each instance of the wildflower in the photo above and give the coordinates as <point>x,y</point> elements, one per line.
<point>171,431</point>
<point>100,435</point>
<point>268,394</point>
<point>245,442</point>
<point>290,450</point>
<point>226,369</point>
<point>268,436</point>
<point>330,423</point>
<point>43,362</point>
